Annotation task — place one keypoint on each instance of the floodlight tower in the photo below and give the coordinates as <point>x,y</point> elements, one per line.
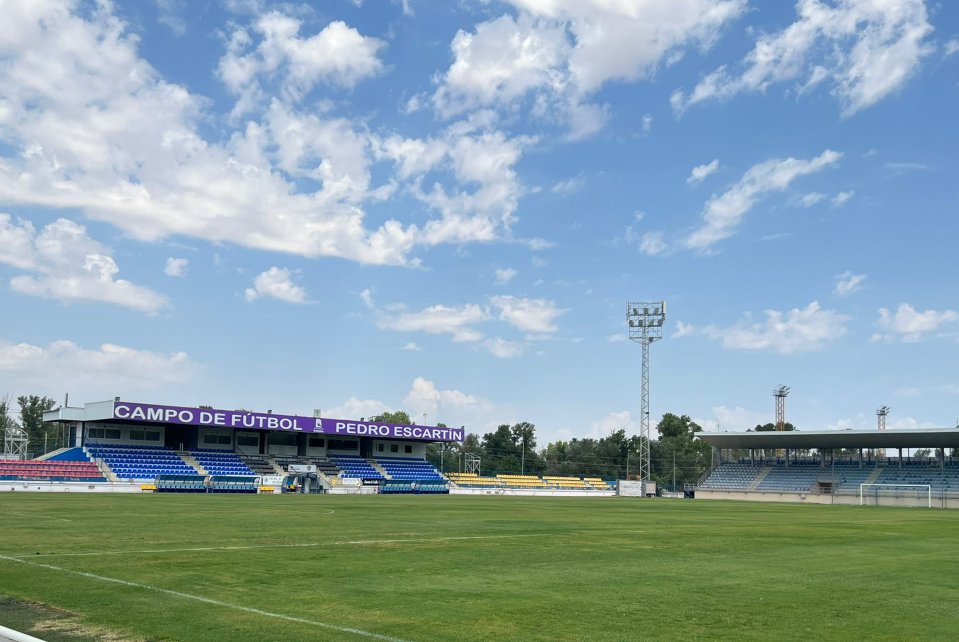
<point>780,394</point>
<point>881,415</point>
<point>645,322</point>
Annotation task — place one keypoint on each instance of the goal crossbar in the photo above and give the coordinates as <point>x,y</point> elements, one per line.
<point>928,488</point>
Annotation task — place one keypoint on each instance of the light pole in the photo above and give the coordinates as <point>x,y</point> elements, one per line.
<point>645,323</point>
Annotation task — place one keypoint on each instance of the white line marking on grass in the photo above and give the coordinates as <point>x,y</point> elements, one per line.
<point>207,600</point>
<point>207,549</point>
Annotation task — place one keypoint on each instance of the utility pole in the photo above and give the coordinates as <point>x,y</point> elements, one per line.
<point>674,471</point>
<point>522,458</point>
<point>645,323</point>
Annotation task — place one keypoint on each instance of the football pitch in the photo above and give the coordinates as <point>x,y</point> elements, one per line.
<point>244,568</point>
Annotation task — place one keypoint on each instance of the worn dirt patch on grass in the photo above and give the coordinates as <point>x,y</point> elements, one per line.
<point>53,624</point>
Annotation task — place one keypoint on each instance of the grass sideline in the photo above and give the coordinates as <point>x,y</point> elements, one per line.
<point>535,568</point>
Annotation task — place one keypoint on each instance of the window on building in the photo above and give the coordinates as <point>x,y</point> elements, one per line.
<point>282,439</point>
<point>247,440</point>
<point>408,449</point>
<point>210,438</point>
<point>317,442</point>
<point>136,435</point>
<point>95,433</point>
<point>111,433</point>
<point>394,448</point>
<point>342,444</point>
<point>152,435</point>
<point>225,440</point>
<point>379,448</point>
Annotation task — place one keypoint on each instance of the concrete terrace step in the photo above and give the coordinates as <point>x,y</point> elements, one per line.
<point>760,477</point>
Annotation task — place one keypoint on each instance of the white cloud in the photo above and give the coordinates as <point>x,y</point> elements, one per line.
<point>616,338</point>
<point>175,267</point>
<point>17,243</point>
<point>810,199</point>
<point>909,391</point>
<point>169,14</point>
<point>504,275</point>
<point>530,315</point>
<point>500,62</point>
<point>503,349</point>
<point>863,48</point>
<point>647,123</point>
<point>275,283</point>
<point>724,213</point>
<point>732,419</point>
<point>949,389</point>
<point>797,330</point>
<point>338,54</point>
<point>367,296</point>
<point>438,319</point>
<point>556,54</point>
<point>568,186</point>
<point>354,408</point>
<point>629,40</point>
<point>652,244</point>
<point>63,365</point>
<point>411,347</point>
<point>910,325</point>
<point>425,398</point>
<point>847,283</point>
<point>700,172</point>
<point>91,126</point>
<point>68,265</point>
<point>612,422</point>
<point>951,46</point>
<point>842,197</point>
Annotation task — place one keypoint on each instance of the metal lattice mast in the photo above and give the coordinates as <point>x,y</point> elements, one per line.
<point>645,322</point>
<point>780,395</point>
<point>881,417</point>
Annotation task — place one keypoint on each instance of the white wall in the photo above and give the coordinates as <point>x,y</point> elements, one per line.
<point>124,434</point>
<point>418,448</point>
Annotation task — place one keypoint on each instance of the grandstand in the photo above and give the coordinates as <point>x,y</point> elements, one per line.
<point>808,471</point>
<point>138,446</point>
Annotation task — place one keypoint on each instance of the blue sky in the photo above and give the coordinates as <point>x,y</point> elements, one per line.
<point>444,207</point>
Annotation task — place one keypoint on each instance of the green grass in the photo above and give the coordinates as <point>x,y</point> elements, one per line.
<point>539,568</point>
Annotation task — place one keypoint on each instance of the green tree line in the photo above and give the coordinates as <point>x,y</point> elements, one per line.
<point>676,457</point>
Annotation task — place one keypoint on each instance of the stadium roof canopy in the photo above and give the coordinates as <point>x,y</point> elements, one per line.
<point>826,439</point>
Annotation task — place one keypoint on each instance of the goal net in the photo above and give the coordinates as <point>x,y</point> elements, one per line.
<point>876,491</point>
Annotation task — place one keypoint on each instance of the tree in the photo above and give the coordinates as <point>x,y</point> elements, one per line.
<point>678,455</point>
<point>32,408</point>
<point>771,427</point>
<point>397,417</point>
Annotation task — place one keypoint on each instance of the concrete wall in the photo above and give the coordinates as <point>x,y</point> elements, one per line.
<point>67,487</point>
<point>532,493</point>
<point>938,501</point>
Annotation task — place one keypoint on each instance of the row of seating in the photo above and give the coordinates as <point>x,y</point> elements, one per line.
<point>220,462</point>
<point>354,467</point>
<point>52,470</point>
<point>803,476</point>
<point>409,469</point>
<point>141,462</point>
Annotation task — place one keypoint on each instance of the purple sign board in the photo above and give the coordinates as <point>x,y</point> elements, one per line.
<point>157,414</point>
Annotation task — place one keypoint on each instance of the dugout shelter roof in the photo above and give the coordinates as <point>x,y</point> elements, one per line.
<point>829,439</point>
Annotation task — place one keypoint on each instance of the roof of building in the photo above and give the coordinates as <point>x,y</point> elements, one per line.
<point>826,439</point>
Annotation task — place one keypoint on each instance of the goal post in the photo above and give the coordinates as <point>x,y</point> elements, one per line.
<point>863,487</point>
